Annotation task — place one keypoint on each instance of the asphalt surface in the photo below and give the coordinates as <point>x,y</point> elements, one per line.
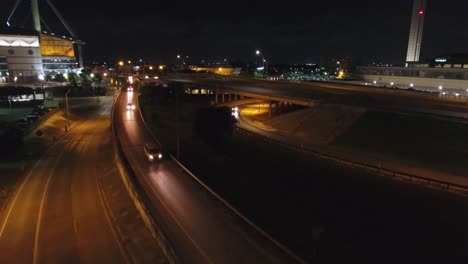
<point>57,215</point>
<point>199,227</point>
<point>363,96</point>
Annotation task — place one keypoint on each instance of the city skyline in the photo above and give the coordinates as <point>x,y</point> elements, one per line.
<point>285,34</point>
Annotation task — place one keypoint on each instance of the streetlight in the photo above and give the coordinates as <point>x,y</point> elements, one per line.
<point>183,58</point>
<point>121,63</point>
<point>265,64</point>
<point>42,78</point>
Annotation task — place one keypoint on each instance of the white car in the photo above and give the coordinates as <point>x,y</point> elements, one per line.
<point>130,106</point>
<point>152,152</point>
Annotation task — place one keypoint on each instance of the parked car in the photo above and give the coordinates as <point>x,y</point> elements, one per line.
<point>38,113</point>
<point>32,117</point>
<point>41,109</point>
<point>22,126</point>
<point>22,120</point>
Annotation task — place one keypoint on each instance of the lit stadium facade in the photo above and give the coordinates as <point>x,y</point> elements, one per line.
<point>27,55</point>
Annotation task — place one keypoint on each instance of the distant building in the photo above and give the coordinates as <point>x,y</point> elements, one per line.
<point>450,71</point>
<point>20,58</point>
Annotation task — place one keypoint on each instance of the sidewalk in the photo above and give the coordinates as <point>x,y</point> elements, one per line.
<point>371,160</point>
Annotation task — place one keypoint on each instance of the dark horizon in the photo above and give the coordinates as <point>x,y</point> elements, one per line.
<point>298,33</point>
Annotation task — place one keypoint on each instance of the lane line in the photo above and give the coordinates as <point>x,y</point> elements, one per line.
<point>175,219</point>
<point>7,217</point>
<point>106,205</point>
<point>168,210</point>
<point>106,208</point>
<point>75,226</point>
<point>44,194</point>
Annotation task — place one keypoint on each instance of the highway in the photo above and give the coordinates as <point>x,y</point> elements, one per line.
<point>372,97</point>
<point>199,227</point>
<point>57,214</point>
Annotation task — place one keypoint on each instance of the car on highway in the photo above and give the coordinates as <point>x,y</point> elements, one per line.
<point>130,106</point>
<point>153,152</point>
<point>130,89</point>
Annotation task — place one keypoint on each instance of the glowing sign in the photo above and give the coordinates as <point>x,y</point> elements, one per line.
<point>440,60</point>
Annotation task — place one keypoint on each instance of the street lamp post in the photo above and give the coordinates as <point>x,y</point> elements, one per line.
<point>41,79</point>
<point>265,64</point>
<point>66,103</point>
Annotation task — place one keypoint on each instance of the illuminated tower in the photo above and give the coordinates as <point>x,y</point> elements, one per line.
<point>416,30</point>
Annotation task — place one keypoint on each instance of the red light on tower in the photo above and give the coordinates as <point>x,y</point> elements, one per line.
<point>421,12</point>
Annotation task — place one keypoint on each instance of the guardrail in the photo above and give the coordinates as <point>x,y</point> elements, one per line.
<point>135,190</point>
<point>222,201</point>
<point>416,179</point>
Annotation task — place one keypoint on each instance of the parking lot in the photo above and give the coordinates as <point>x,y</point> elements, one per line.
<point>11,114</point>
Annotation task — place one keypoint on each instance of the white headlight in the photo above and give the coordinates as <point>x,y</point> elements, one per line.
<point>159,156</point>
<point>151,157</point>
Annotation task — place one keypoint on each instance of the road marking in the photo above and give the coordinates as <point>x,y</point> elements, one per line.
<point>7,217</point>
<point>74,226</point>
<point>200,250</point>
<point>109,172</point>
<point>16,196</point>
<point>44,194</point>
<point>106,208</point>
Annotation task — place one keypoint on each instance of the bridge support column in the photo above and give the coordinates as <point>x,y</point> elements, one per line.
<point>270,108</point>
<point>223,98</point>
<point>216,97</point>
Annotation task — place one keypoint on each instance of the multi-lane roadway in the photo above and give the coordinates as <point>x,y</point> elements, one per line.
<point>199,227</point>
<point>57,213</point>
<point>350,94</point>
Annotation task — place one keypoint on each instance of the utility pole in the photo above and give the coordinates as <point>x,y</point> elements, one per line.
<point>177,121</point>
<point>66,102</point>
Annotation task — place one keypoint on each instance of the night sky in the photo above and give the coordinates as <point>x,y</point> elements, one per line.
<point>292,32</point>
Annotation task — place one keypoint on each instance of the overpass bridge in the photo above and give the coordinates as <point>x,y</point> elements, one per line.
<point>226,95</point>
